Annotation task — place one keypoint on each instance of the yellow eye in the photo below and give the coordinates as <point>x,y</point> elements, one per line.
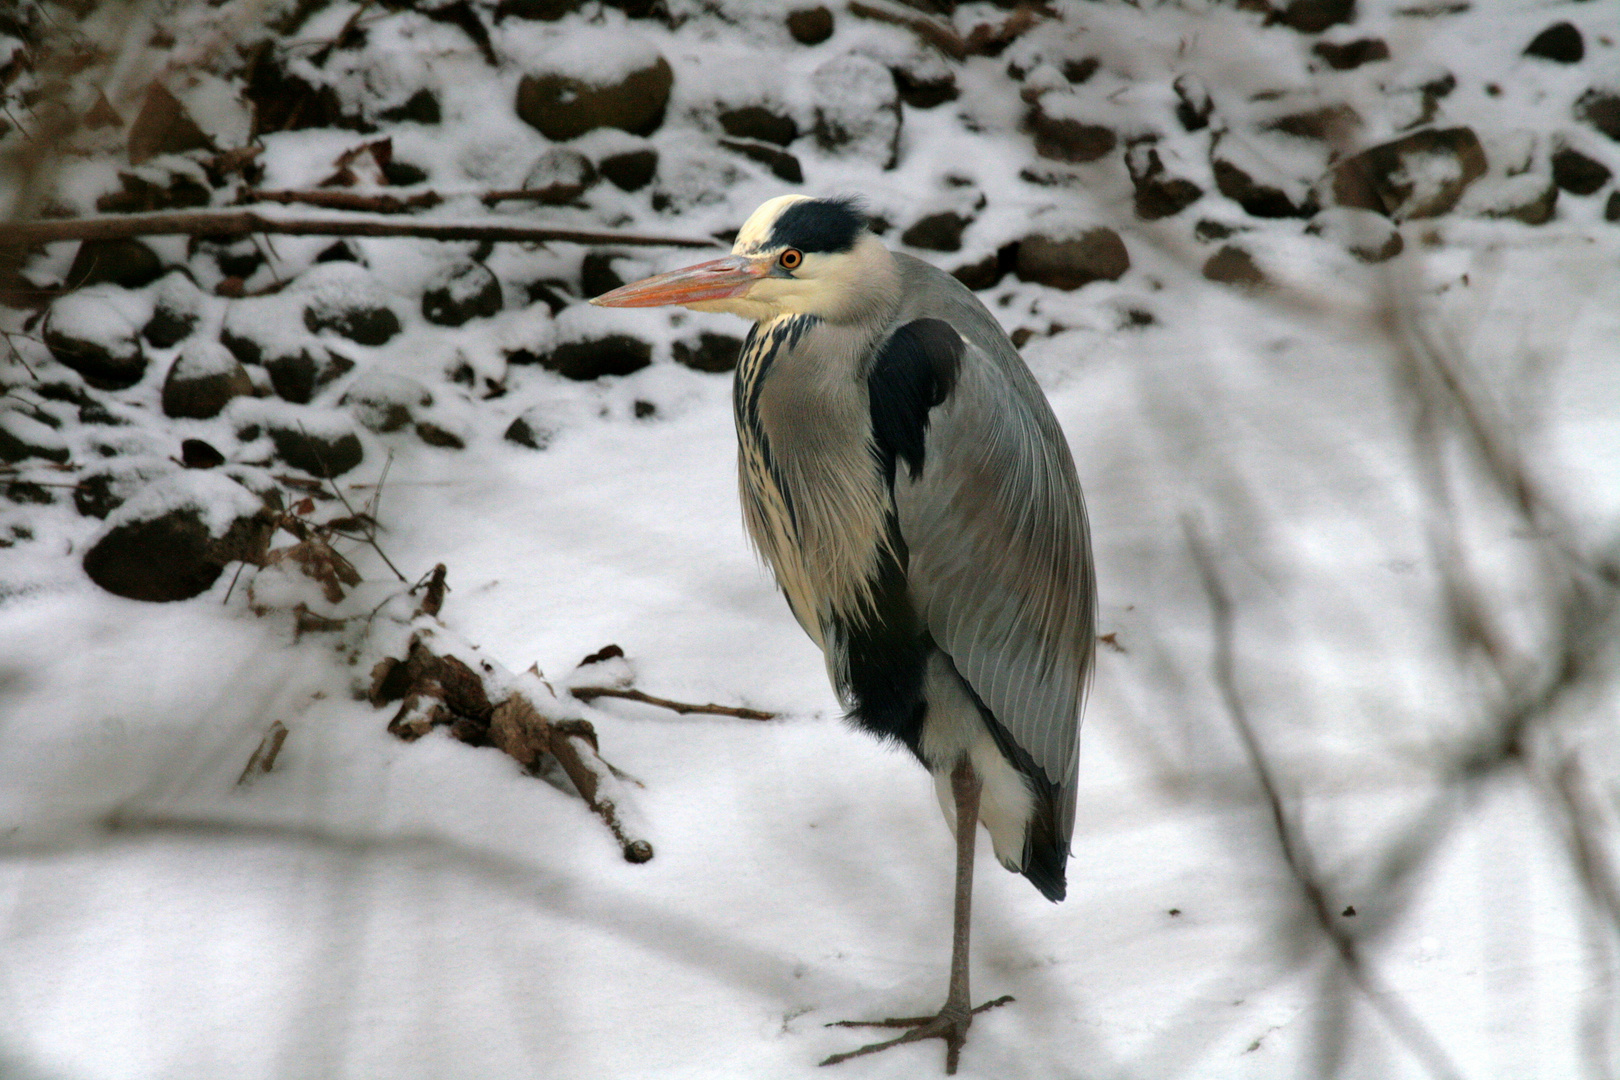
<point>790,259</point>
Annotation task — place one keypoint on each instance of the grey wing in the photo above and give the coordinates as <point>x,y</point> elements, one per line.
<point>1000,557</point>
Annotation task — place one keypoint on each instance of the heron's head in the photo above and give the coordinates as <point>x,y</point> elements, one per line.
<point>794,256</point>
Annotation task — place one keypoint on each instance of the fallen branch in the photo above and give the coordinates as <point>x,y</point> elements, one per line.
<point>246,222</point>
<point>263,758</point>
<point>588,694</point>
<point>374,202</point>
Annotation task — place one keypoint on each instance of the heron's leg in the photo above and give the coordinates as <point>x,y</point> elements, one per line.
<point>952,1021</point>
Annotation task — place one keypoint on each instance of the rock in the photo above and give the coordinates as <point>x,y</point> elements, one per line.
<point>421,107</point>
<point>235,258</point>
<point>760,124</point>
<point>1576,173</point>
<point>152,188</point>
<point>1233,266</point>
<point>1067,138</point>
<point>167,327</point>
<point>23,437</point>
<point>285,102</point>
<point>810,26</point>
<point>562,107</point>
<point>614,354</point>
<point>596,273</point>
<point>1611,209</point>
<point>1157,194</point>
<point>337,251</point>
<point>988,271</point>
<point>1329,123</point>
<point>384,402</point>
<point>560,176</point>
<point>1367,236</point>
<point>630,171</point>
<point>297,376</point>
<point>1078,71</point>
<point>1193,103</point>
<point>1351,54</point>
<point>1418,175</point>
<point>99,494</point>
<point>642,409</point>
<point>1096,255</point>
<point>1314,16</point>
<point>713,352</point>
<point>783,165</point>
<point>538,10</point>
<point>197,454</point>
<point>925,81</point>
<point>172,541</point>
<point>530,430</point>
<point>202,381</point>
<point>434,435</point>
<point>1528,197</point>
<point>937,232</point>
<point>343,298</point>
<point>857,109</point>
<point>1239,176</point>
<point>163,126</point>
<point>1560,43</point>
<point>96,332</point>
<point>319,446</point>
<point>1601,109</point>
<point>466,291</point>
<point>129,263</point>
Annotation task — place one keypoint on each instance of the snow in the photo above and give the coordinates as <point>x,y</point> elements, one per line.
<point>376,908</point>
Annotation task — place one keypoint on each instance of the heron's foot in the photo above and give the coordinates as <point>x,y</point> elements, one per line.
<point>950,1024</point>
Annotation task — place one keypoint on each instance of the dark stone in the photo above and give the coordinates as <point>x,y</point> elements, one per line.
<point>403,173</point>
<point>235,258</point>
<point>810,26</point>
<point>1080,71</point>
<point>615,354</point>
<point>285,102</point>
<point>106,368</point>
<point>560,176</point>
<point>363,324</point>
<point>1560,42</point>
<point>1330,123</point>
<point>552,293</point>
<point>168,328</point>
<point>925,91</point>
<point>1351,54</point>
<point>1096,255</point>
<point>197,454</point>
<point>643,409</point>
<point>783,165</point>
<point>128,262</point>
<point>1193,103</point>
<point>538,10</point>
<point>1257,199</point>
<point>937,232</point>
<point>338,251</point>
<point>172,557</point>
<point>1157,195</point>
<point>1314,16</point>
<point>23,437</point>
<point>98,494</point>
<point>1578,174</point>
<point>202,381</point>
<point>297,376</point>
<point>988,271</point>
<point>140,195</point>
<point>1208,230</point>
<point>1611,209</point>
<point>434,435</point>
<point>713,352</point>
<point>1536,209</point>
<point>421,107</point>
<point>1601,109</point>
<point>384,402</point>
<point>24,492</point>
<point>563,108</point>
<point>630,171</point>
<point>469,291</point>
<point>1063,139</point>
<point>526,430</point>
<point>760,124</point>
<point>1378,178</point>
<point>596,273</point>
<point>318,455</point>
<point>1233,266</point>
<point>163,126</point>
<point>857,109</point>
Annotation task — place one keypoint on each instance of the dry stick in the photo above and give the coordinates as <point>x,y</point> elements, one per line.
<point>263,758</point>
<point>244,222</point>
<point>1406,1026</point>
<point>376,202</point>
<point>588,694</point>
<point>371,532</point>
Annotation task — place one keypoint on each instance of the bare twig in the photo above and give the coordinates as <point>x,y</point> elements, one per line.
<point>263,758</point>
<point>588,694</point>
<point>373,202</point>
<point>246,222</point>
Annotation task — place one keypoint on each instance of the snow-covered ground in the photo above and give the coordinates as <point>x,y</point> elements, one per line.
<point>375,908</point>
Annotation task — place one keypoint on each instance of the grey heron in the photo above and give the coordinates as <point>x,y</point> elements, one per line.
<point>903,475</point>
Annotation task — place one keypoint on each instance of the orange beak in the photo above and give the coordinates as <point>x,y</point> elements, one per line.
<point>718,279</point>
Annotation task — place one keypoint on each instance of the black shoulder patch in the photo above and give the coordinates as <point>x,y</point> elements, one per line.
<point>913,371</point>
<point>824,226</point>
